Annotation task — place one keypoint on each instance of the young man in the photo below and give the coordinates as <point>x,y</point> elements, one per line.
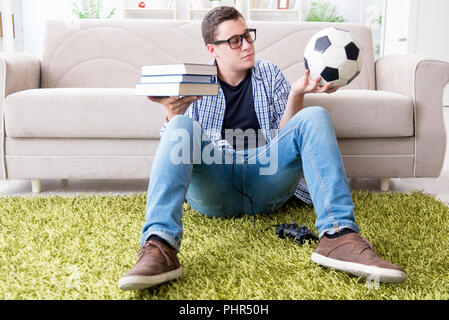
<point>253,95</point>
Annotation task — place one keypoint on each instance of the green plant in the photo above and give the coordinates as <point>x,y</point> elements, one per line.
<point>323,11</point>
<point>377,51</point>
<point>90,9</point>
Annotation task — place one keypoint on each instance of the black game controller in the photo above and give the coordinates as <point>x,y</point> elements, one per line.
<point>301,234</point>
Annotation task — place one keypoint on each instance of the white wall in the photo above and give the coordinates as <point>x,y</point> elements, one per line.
<point>35,13</point>
<point>430,19</point>
<point>428,31</point>
<point>396,27</point>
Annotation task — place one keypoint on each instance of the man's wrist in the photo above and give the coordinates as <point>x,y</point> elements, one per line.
<point>295,99</point>
<point>297,94</point>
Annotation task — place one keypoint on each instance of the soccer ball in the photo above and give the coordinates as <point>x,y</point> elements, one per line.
<point>335,55</point>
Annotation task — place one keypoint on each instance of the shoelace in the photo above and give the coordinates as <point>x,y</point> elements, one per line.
<point>148,247</point>
<point>361,247</point>
<point>367,243</point>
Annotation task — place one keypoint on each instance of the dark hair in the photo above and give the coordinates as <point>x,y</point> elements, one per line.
<point>214,18</point>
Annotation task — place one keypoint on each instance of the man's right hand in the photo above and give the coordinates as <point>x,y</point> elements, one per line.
<point>175,105</point>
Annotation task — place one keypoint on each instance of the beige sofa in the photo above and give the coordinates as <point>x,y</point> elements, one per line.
<point>72,115</point>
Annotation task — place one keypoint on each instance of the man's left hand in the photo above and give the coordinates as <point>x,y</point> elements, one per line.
<point>306,84</point>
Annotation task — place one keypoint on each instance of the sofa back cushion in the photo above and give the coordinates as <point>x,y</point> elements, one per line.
<point>109,53</point>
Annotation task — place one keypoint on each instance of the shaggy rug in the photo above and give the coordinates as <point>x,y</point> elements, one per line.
<point>78,247</point>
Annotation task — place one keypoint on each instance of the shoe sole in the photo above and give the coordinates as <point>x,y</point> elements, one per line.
<point>144,282</point>
<point>372,273</point>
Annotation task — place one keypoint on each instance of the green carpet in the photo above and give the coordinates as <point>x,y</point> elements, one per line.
<point>78,247</point>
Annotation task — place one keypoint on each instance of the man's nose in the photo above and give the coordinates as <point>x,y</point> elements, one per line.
<point>245,43</point>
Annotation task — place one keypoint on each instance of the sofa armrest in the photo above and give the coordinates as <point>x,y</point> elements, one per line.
<point>18,71</point>
<point>422,79</point>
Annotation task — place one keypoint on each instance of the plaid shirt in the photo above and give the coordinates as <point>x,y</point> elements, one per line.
<point>270,92</point>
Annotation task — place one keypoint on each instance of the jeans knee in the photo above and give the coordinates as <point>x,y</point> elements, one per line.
<point>185,133</point>
<point>180,121</point>
<point>315,111</point>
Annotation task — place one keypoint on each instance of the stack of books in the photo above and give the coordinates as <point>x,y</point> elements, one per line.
<point>182,79</point>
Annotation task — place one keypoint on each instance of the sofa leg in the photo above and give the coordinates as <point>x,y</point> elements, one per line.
<point>384,184</point>
<point>36,185</point>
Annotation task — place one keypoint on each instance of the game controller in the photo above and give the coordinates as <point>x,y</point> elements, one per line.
<point>301,233</point>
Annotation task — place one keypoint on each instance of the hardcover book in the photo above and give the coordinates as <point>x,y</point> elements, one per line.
<point>195,78</point>
<point>179,68</point>
<point>175,89</point>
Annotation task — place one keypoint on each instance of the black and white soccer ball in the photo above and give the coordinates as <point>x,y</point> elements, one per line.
<point>335,55</point>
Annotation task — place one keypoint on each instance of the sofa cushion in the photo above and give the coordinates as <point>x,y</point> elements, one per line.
<point>82,113</point>
<point>366,113</point>
<point>117,113</point>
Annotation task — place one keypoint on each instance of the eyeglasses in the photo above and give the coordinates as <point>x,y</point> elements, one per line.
<point>235,42</point>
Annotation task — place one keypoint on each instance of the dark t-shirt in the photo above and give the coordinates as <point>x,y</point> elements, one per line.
<point>240,114</point>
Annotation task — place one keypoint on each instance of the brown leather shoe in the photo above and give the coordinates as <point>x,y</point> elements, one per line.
<point>156,263</point>
<point>354,254</point>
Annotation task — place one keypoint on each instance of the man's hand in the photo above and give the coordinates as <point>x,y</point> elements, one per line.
<point>307,85</point>
<point>299,88</point>
<point>175,105</point>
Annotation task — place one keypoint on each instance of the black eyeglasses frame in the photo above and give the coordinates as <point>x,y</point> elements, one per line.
<point>242,36</point>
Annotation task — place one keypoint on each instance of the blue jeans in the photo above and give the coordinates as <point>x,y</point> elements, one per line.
<point>187,166</point>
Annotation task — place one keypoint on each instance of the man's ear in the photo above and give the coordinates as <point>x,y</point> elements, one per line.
<point>211,49</point>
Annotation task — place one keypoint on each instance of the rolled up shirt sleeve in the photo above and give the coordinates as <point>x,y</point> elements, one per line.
<point>280,96</point>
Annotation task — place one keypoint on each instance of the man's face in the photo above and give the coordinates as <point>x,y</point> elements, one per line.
<point>240,59</point>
